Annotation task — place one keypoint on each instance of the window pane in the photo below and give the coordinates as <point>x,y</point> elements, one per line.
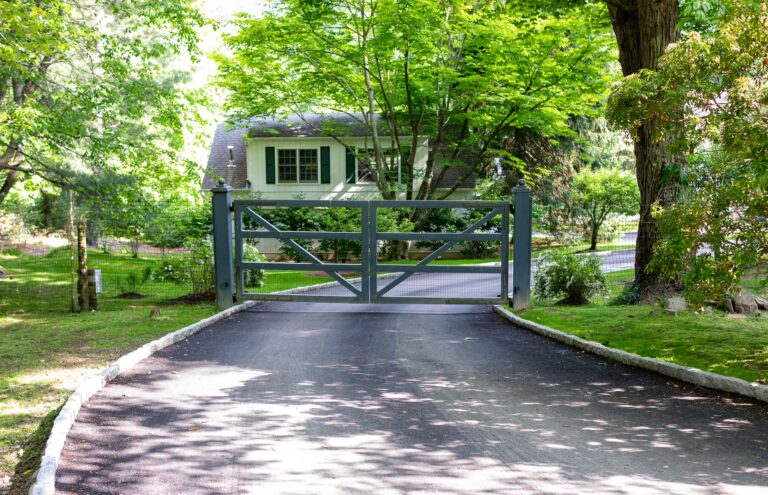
<point>308,168</point>
<point>286,165</point>
<point>364,165</point>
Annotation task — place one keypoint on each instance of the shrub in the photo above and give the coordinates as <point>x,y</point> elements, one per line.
<point>571,278</point>
<point>195,269</point>
<point>133,281</point>
<point>253,278</point>
<point>170,270</point>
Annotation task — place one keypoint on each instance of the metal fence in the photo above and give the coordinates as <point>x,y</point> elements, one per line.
<point>41,274</point>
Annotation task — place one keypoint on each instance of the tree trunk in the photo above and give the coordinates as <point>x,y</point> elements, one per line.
<point>10,180</point>
<point>644,29</point>
<point>593,237</point>
<point>82,270</point>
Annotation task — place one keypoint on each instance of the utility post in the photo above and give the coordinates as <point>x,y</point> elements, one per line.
<point>521,264</point>
<point>222,244</point>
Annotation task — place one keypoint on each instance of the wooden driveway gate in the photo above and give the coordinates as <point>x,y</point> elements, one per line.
<point>351,255</point>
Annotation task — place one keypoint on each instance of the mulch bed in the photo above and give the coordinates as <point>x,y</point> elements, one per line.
<point>131,295</point>
<point>194,299</point>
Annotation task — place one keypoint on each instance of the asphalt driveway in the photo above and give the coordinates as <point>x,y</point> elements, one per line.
<point>291,398</point>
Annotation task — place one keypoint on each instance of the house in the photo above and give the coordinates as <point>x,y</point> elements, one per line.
<point>317,157</point>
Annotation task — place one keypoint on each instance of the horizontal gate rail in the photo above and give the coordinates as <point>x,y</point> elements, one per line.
<point>499,208</point>
<point>437,236</point>
<point>276,265</point>
<point>313,263</point>
<point>295,234</point>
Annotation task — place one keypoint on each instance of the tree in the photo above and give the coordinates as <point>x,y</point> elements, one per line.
<point>644,29</point>
<point>597,194</point>
<point>462,73</point>
<point>719,80</point>
<point>85,89</point>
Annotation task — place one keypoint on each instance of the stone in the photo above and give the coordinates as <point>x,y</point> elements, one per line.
<point>726,305</point>
<point>675,304</point>
<point>744,303</point>
<point>762,303</point>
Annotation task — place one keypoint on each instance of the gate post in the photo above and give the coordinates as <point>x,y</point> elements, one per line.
<point>222,244</point>
<point>521,264</point>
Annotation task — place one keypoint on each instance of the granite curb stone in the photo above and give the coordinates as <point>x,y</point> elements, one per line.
<point>682,373</point>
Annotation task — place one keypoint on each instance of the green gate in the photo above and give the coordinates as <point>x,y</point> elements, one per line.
<point>369,232</point>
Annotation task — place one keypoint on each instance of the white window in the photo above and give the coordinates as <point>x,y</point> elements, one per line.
<point>365,162</point>
<point>297,166</point>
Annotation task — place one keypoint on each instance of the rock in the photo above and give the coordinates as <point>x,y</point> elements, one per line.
<point>761,303</point>
<point>744,303</point>
<point>726,305</point>
<point>675,304</point>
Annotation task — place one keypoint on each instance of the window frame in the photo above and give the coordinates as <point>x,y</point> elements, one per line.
<point>297,166</point>
<point>369,152</point>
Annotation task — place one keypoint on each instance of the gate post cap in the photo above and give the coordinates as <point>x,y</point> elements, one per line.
<point>521,186</point>
<point>221,186</point>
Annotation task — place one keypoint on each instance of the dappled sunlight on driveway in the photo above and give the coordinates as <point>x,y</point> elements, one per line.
<point>401,404</point>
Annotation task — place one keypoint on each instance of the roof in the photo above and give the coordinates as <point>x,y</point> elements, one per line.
<point>310,125</point>
<point>339,124</point>
<point>218,159</point>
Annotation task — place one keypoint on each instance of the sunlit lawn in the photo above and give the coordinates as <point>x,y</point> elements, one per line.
<point>45,350</point>
<point>720,343</point>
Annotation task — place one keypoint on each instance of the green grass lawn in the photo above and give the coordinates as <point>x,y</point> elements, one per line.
<point>716,343</point>
<point>728,345</point>
<point>45,350</point>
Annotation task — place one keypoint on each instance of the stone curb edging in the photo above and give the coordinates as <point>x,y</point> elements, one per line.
<point>46,476</point>
<point>683,373</point>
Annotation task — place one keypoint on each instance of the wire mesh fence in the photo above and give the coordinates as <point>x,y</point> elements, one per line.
<point>39,273</point>
<point>42,275</point>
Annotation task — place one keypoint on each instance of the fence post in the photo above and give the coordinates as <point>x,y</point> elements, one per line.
<point>222,244</point>
<point>521,264</point>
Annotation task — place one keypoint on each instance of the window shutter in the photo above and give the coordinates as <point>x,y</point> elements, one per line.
<point>351,168</point>
<point>270,154</point>
<point>404,163</point>
<point>325,164</point>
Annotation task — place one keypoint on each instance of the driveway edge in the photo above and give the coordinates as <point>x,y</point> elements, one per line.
<point>45,479</point>
<point>682,373</point>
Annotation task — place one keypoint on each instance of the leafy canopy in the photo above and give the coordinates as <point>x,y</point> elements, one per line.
<point>86,95</point>
<point>462,73</point>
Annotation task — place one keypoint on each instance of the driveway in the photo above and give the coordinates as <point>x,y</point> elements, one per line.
<point>291,398</point>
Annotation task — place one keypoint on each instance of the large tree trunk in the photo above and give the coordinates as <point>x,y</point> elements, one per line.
<point>644,29</point>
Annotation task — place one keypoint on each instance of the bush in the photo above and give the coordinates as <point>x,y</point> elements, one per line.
<point>571,278</point>
<point>134,281</point>
<point>170,270</point>
<point>195,269</point>
<point>253,278</point>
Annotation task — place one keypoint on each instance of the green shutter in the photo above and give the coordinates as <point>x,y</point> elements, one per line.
<point>325,164</point>
<point>404,163</point>
<point>270,153</point>
<point>351,168</point>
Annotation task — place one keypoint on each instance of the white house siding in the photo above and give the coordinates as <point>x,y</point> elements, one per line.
<point>337,189</point>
